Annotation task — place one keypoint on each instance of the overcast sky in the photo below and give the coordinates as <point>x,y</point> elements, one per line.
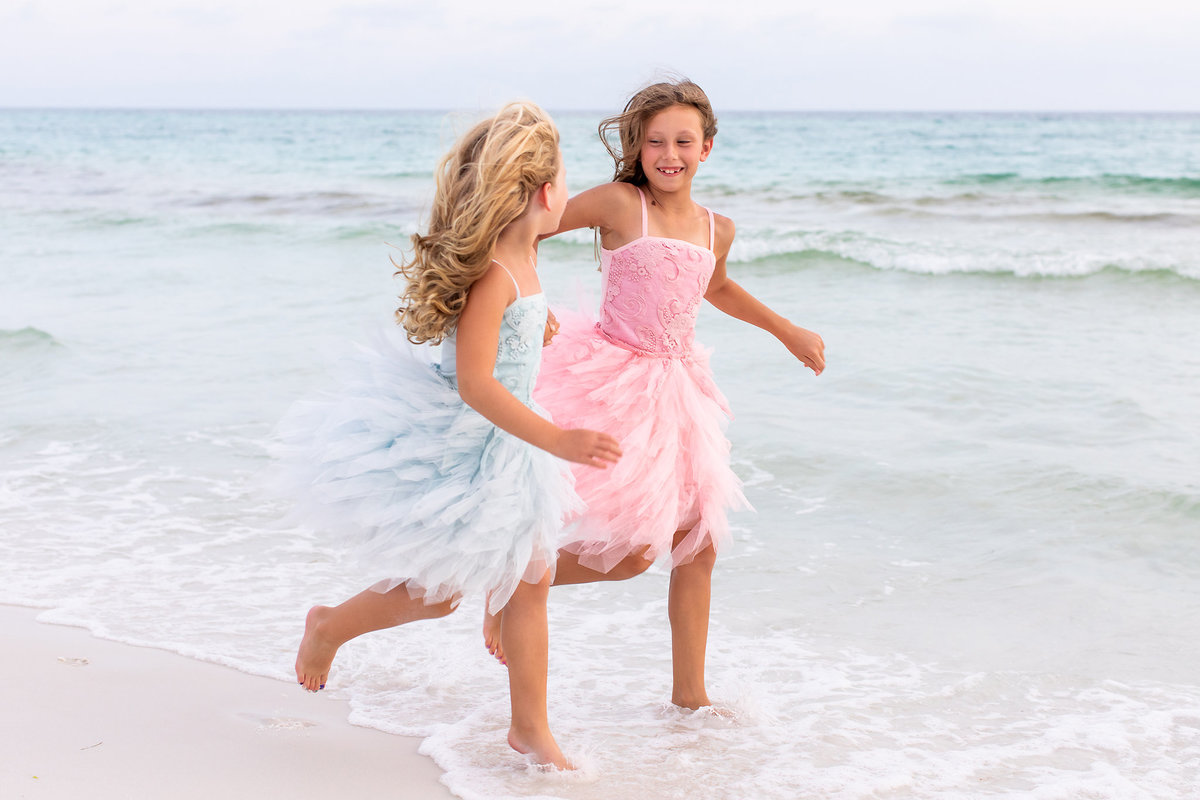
<point>748,54</point>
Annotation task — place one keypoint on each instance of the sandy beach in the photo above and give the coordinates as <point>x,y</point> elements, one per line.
<point>84,717</point>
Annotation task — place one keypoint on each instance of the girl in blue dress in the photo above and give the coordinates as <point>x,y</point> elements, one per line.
<point>448,474</point>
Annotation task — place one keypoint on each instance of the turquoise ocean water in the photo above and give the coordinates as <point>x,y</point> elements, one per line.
<point>974,568</point>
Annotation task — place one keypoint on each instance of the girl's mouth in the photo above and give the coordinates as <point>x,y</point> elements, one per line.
<point>670,170</point>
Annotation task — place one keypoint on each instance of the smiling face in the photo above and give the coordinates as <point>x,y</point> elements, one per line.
<point>673,147</point>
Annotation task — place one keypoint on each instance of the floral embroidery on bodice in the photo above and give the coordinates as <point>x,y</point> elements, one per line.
<point>519,350</point>
<point>653,287</point>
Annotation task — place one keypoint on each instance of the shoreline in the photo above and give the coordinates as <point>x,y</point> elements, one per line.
<point>88,717</point>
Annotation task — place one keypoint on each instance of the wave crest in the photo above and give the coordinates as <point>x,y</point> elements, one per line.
<point>804,251</point>
<point>27,339</point>
<point>1107,182</point>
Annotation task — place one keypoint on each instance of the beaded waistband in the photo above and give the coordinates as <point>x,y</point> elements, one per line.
<point>681,356</point>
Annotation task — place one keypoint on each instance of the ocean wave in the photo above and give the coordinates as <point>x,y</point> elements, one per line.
<point>269,220</point>
<point>28,356</point>
<point>897,202</point>
<point>326,202</point>
<point>422,174</point>
<point>87,220</point>
<point>1148,218</point>
<point>864,197</point>
<point>981,206</point>
<point>1180,186</point>
<point>27,339</point>
<point>950,210</point>
<point>380,230</point>
<point>802,250</point>
<point>791,250</point>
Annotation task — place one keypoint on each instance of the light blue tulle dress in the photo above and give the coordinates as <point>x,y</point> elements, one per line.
<point>429,492</point>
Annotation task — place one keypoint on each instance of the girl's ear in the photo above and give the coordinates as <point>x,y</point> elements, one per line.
<point>543,195</point>
<point>706,149</point>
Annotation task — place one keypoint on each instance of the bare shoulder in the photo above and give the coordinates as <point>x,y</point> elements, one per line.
<point>494,290</point>
<point>724,234</point>
<point>615,195</point>
<point>600,207</point>
<point>626,191</point>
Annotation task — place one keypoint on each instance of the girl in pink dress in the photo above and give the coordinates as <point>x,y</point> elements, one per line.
<point>636,373</point>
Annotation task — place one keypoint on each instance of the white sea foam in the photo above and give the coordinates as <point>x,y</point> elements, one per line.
<point>973,564</point>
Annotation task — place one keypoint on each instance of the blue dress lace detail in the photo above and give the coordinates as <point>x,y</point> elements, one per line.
<point>430,492</point>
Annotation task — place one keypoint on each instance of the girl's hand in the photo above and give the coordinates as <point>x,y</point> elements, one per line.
<point>587,447</point>
<point>806,346</point>
<point>551,328</point>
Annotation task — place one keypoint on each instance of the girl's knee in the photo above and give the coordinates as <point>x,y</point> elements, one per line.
<point>442,609</point>
<point>532,591</point>
<point>631,565</point>
<point>704,560</point>
<point>543,583</point>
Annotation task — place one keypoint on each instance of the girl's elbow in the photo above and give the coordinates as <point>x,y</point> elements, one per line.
<point>470,389</point>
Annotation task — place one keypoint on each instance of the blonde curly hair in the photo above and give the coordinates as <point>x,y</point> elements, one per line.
<point>483,184</point>
<point>629,127</point>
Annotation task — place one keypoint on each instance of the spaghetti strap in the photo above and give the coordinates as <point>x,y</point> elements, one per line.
<point>645,223</point>
<point>516,285</point>
<point>712,230</point>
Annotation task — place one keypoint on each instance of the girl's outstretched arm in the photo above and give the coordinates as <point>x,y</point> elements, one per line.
<point>601,207</point>
<point>478,336</point>
<point>735,301</point>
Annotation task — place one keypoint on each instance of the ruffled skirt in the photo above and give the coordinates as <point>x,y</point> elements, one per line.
<point>670,419</point>
<point>429,492</point>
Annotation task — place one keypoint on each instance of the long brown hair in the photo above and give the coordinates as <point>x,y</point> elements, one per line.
<point>483,184</point>
<point>629,126</point>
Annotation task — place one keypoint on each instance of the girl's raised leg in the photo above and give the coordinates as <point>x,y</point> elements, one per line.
<point>328,628</point>
<point>568,571</point>
<point>688,609</point>
<point>525,635</point>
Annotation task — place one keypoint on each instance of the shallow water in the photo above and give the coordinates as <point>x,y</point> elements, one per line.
<point>973,567</point>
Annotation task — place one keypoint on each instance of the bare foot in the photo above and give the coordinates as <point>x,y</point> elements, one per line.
<point>316,652</point>
<point>491,635</point>
<point>694,703</point>
<point>541,746</point>
<point>714,711</point>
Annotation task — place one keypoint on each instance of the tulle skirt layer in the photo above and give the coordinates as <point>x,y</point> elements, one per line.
<point>430,493</point>
<point>670,418</point>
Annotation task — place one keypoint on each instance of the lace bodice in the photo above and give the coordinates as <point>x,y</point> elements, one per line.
<point>653,287</point>
<point>519,351</point>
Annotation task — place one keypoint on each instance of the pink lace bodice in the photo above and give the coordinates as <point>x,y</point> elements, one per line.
<point>653,287</point>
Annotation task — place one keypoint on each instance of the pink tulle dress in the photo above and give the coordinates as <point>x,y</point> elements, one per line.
<point>636,374</point>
